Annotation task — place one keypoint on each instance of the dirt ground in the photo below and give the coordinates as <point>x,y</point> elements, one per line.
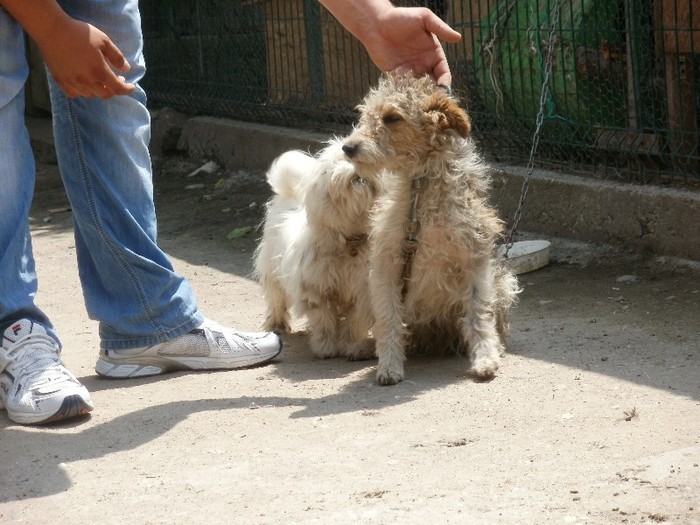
<point>594,417</point>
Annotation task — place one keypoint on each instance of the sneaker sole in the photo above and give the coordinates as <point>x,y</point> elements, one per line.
<point>72,406</point>
<point>151,366</point>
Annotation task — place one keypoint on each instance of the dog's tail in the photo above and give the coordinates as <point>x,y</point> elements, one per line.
<point>288,174</point>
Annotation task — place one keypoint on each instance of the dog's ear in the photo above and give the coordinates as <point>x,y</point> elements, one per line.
<point>450,115</point>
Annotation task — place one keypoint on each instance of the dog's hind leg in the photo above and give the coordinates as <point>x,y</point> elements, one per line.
<point>361,350</point>
<point>478,327</point>
<point>353,340</point>
<point>323,326</point>
<point>353,337</point>
<point>277,319</point>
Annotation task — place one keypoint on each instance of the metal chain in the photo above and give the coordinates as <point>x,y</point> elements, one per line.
<point>409,245</point>
<point>554,22</point>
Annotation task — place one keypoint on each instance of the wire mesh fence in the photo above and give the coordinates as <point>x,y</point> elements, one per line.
<point>622,99</point>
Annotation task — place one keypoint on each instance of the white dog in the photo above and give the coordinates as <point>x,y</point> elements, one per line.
<point>433,272</point>
<point>313,257</point>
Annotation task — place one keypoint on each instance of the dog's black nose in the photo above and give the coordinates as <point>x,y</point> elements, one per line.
<point>350,149</point>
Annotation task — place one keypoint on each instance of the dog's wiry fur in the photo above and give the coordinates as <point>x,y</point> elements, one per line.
<point>313,257</point>
<point>459,292</point>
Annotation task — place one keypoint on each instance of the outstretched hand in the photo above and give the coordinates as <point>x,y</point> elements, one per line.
<point>408,40</point>
<point>401,39</point>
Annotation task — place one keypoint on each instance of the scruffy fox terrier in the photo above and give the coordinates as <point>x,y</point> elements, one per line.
<point>434,279</point>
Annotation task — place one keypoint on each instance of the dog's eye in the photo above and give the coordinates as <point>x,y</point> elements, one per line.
<point>391,118</point>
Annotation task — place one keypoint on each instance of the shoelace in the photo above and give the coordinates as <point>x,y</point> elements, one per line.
<point>235,337</point>
<point>243,342</point>
<point>33,354</point>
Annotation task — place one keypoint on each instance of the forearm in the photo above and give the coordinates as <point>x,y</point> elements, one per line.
<point>360,17</point>
<point>40,18</point>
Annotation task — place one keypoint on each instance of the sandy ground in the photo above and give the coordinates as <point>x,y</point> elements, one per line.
<point>594,417</point>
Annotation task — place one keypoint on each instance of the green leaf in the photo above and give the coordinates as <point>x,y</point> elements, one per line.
<point>238,232</point>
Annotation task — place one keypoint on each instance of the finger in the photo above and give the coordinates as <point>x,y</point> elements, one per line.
<point>105,87</point>
<point>70,89</point>
<point>441,69</point>
<point>82,92</point>
<point>115,57</point>
<point>113,84</point>
<point>128,85</point>
<point>70,92</point>
<point>118,86</point>
<point>440,28</point>
<point>102,92</point>
<point>442,78</point>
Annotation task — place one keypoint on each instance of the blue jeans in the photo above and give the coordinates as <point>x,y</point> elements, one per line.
<point>129,284</point>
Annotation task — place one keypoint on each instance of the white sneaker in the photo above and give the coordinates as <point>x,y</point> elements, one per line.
<point>208,347</point>
<point>35,387</point>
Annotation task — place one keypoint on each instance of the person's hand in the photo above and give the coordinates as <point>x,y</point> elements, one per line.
<point>401,39</point>
<point>80,58</point>
<point>407,40</point>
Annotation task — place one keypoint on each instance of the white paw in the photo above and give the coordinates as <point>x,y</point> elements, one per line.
<point>279,326</point>
<point>389,375</point>
<point>485,366</point>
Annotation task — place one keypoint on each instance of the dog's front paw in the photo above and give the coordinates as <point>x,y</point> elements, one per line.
<point>389,376</point>
<point>486,358</point>
<point>485,367</point>
<point>361,350</point>
<point>278,326</point>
